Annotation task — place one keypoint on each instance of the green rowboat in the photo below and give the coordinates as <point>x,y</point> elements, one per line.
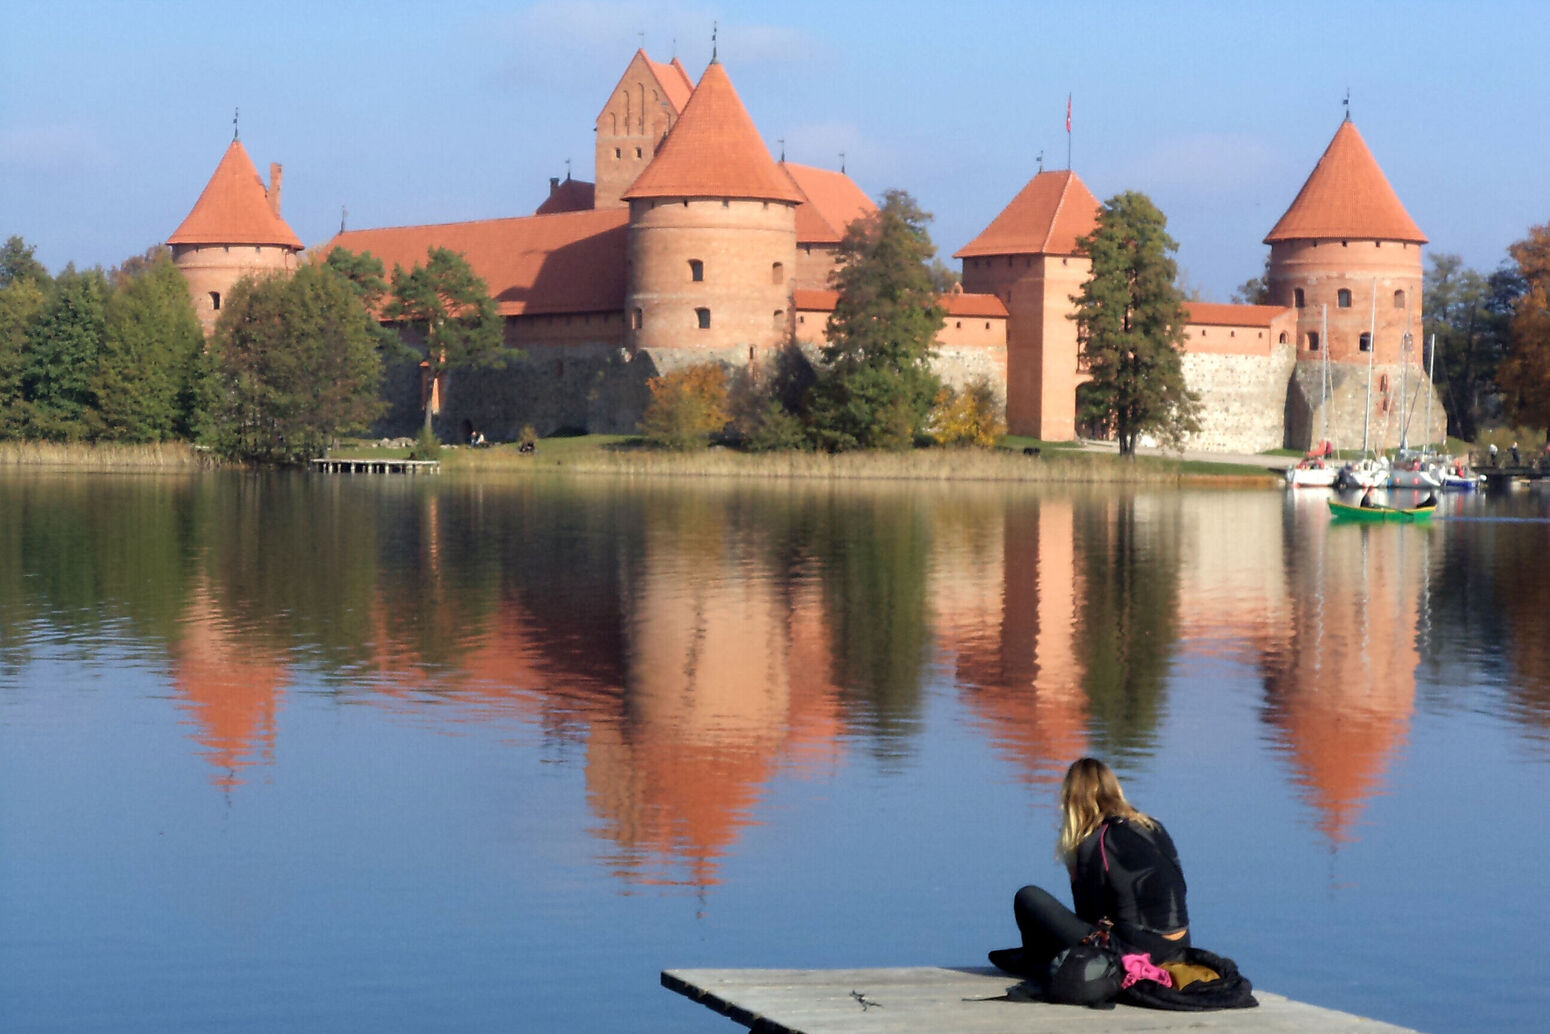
<point>1375,514</point>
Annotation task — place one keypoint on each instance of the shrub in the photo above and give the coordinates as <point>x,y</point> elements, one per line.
<point>776,427</point>
<point>973,416</point>
<point>687,407</point>
<point>426,446</point>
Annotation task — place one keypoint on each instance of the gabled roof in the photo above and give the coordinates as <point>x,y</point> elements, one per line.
<point>671,77</point>
<point>1346,195</point>
<point>1214,314</point>
<point>674,79</point>
<point>1045,218</point>
<point>572,262</point>
<point>234,208</point>
<point>714,150</point>
<point>568,196</point>
<point>831,201</point>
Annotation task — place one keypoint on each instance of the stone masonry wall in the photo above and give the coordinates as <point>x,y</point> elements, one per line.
<point>1242,399</point>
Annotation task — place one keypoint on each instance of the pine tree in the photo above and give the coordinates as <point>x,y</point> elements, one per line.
<point>451,307</point>
<point>1130,326</point>
<point>876,386</point>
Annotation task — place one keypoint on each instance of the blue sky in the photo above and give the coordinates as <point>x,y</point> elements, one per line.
<point>114,114</point>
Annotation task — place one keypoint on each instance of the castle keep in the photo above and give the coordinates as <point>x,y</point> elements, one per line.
<point>694,245</point>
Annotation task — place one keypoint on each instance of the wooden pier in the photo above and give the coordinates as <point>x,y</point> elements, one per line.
<point>330,465</point>
<point>968,1000</point>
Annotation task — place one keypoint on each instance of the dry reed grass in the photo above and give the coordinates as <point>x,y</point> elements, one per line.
<point>1054,465</point>
<point>162,457</point>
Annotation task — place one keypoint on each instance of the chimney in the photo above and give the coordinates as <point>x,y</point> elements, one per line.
<point>273,193</point>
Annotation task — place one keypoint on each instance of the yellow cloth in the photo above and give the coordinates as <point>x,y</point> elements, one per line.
<point>1184,974</point>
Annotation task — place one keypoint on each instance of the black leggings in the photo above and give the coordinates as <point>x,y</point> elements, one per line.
<point>1048,927</point>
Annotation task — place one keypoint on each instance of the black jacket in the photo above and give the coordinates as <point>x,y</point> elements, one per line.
<point>1131,875</point>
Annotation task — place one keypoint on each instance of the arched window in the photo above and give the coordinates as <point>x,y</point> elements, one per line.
<point>703,316</point>
<point>696,270</point>
<point>778,273</point>
<point>779,318</point>
<point>1364,342</point>
<point>1399,299</point>
<point>1313,341</point>
<point>1297,297</point>
<point>1343,298</point>
<point>1283,338</point>
<point>215,300</point>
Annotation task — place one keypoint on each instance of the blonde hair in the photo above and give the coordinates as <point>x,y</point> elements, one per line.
<point>1089,794</point>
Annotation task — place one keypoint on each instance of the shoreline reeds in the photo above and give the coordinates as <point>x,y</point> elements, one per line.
<point>107,457</point>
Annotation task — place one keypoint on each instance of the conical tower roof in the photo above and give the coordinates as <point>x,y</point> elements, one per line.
<point>714,150</point>
<point>234,208</point>
<point>1045,218</point>
<point>1348,196</point>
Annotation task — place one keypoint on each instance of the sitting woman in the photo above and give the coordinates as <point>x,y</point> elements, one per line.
<point>1123,867</point>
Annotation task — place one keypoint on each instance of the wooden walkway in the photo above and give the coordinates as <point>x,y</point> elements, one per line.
<point>329,465</point>
<point>930,999</point>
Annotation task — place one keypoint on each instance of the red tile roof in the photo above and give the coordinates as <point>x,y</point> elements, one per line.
<point>957,304</point>
<point>234,208</point>
<point>831,202</point>
<point>537,264</point>
<point>675,81</point>
<point>713,150</point>
<point>1216,315</point>
<point>568,196</point>
<point>1347,195</point>
<point>1045,218</point>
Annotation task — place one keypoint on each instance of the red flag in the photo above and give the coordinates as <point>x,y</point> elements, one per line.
<point>1068,113</point>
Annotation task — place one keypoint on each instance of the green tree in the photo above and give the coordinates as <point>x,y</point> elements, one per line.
<point>17,263</point>
<point>295,363</point>
<point>150,353</point>
<point>61,357</point>
<point>1130,327</point>
<point>876,385</point>
<point>451,308</point>
<point>1255,290</point>
<point>1525,372</point>
<point>20,303</point>
<point>1469,316</point>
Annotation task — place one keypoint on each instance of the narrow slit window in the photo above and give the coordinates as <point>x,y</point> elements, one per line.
<point>1364,342</point>
<point>1313,341</point>
<point>696,270</point>
<point>215,300</point>
<point>1297,297</point>
<point>1343,298</point>
<point>702,316</point>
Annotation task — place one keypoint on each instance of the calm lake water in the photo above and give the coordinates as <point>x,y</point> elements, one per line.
<point>300,754</point>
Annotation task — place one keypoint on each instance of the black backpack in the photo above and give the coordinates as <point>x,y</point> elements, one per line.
<point>1084,975</point>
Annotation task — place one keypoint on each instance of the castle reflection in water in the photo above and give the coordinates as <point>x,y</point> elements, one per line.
<point>688,644</point>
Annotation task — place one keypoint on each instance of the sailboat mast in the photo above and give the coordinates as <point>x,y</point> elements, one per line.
<point>1404,376</point>
<point>1324,366</point>
<point>1431,368</point>
<point>1372,350</point>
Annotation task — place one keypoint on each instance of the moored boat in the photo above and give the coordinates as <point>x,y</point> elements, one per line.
<point>1311,472</point>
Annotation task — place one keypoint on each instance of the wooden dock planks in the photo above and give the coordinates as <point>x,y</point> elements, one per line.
<point>931,999</point>
<point>330,465</point>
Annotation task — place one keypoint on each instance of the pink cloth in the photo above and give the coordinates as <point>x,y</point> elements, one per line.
<point>1140,967</point>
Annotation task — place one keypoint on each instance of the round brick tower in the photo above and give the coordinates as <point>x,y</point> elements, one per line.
<point>234,229</point>
<point>1347,257</point>
<point>712,235</point>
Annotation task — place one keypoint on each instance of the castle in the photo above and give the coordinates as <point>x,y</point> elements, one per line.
<point>694,245</point>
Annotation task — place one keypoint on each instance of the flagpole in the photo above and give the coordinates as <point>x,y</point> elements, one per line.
<point>1068,132</point>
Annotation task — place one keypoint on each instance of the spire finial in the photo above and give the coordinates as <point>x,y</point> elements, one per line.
<point>1040,160</point>
<point>842,163</point>
<point>567,170</point>
<point>234,113</point>
<point>712,42</point>
<point>343,212</point>
<point>782,142</point>
<point>1347,103</point>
